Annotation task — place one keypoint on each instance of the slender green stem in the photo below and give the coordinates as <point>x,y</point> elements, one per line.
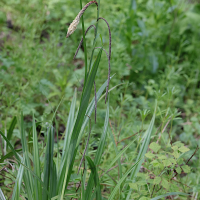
<point>84,43</point>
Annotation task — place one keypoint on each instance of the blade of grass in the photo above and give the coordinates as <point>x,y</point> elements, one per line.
<point>9,155</point>
<point>18,158</point>
<point>169,194</point>
<point>83,188</point>
<point>48,165</point>
<point>30,136</point>
<point>122,179</point>
<point>53,179</point>
<point>98,155</point>
<point>86,147</point>
<point>116,152</point>
<point>143,150</point>
<point>110,90</point>
<point>54,114</point>
<point>70,123</point>
<point>11,128</point>
<point>94,174</point>
<point>28,178</point>
<point>120,154</point>
<point>11,147</point>
<point>90,109</point>
<point>64,177</point>
<point>68,133</point>
<point>36,162</point>
<point>103,138</point>
<point>53,119</point>
<point>2,197</point>
<point>18,182</point>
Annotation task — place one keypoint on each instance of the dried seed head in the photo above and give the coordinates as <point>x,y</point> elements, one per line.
<point>73,26</point>
<point>76,21</point>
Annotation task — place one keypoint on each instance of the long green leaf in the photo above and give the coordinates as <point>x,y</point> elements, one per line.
<point>120,154</point>
<point>122,179</point>
<point>83,188</point>
<point>28,178</point>
<point>49,176</point>
<point>9,155</point>
<point>11,128</point>
<point>117,152</point>
<point>18,158</point>
<point>69,127</point>
<point>2,197</point>
<point>169,194</point>
<point>36,162</point>
<point>11,147</point>
<point>103,138</point>
<point>18,182</point>
<point>68,134</point>
<point>90,109</point>
<point>143,150</point>
<point>94,174</point>
<point>98,155</point>
<point>64,177</point>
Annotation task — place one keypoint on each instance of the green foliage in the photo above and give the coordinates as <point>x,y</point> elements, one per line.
<point>132,153</point>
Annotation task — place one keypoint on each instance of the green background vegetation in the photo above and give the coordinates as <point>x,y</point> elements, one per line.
<point>155,56</point>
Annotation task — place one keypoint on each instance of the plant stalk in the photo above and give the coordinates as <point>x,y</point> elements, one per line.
<point>84,44</point>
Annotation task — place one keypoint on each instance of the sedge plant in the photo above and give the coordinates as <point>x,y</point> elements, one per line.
<point>45,175</point>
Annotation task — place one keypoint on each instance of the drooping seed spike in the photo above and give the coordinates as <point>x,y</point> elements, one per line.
<point>79,46</point>
<point>109,56</point>
<point>76,21</point>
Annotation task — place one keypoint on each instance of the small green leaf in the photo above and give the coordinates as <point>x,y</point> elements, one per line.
<point>178,144</point>
<point>157,180</point>
<point>175,148</point>
<point>173,186</point>
<point>172,160</point>
<point>165,184</point>
<point>162,157</point>
<point>143,192</point>
<point>175,154</point>
<point>167,163</point>
<point>186,168</point>
<point>141,183</point>
<point>149,155</point>
<point>180,161</point>
<point>155,163</point>
<point>183,149</point>
<point>133,186</point>
<point>161,166</point>
<point>154,146</point>
<point>143,175</point>
<point>136,195</point>
<point>150,181</point>
<point>178,169</point>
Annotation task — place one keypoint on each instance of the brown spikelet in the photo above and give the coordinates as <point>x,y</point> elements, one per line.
<point>76,21</point>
